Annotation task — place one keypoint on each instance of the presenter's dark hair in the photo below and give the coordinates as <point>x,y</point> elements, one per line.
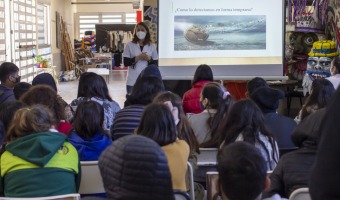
<point>158,124</point>
<point>93,85</point>
<point>203,73</point>
<point>242,171</point>
<point>147,39</point>
<point>144,90</point>
<point>89,119</point>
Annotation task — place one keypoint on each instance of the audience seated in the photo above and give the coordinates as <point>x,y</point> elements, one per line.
<point>242,172</point>
<point>158,124</point>
<point>20,89</point>
<point>45,95</point>
<point>245,122</point>
<point>267,99</point>
<point>255,83</point>
<point>335,72</point>
<point>216,102</point>
<point>142,94</point>
<point>293,170</point>
<point>9,76</point>
<point>184,131</point>
<point>7,111</point>
<point>321,92</point>
<point>87,135</point>
<point>191,98</point>
<point>37,162</point>
<point>324,180</point>
<point>135,168</point>
<point>92,87</point>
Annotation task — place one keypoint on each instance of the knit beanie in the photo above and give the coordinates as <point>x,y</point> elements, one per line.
<point>45,79</point>
<point>135,168</point>
<point>267,98</point>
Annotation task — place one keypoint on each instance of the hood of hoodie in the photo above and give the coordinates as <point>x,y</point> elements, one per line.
<point>37,148</point>
<point>89,149</point>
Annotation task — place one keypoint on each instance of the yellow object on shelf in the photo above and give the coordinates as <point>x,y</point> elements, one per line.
<point>323,48</point>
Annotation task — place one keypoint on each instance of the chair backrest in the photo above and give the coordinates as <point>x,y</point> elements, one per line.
<point>180,195</point>
<point>58,197</point>
<point>191,181</point>
<point>300,194</point>
<point>207,157</point>
<point>91,180</point>
<point>211,184</point>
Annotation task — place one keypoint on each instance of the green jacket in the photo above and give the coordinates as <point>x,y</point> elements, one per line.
<point>40,164</point>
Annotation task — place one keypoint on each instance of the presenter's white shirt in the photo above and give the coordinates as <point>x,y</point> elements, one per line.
<point>132,50</point>
<point>335,80</point>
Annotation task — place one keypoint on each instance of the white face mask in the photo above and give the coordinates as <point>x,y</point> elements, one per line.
<point>176,121</point>
<point>141,35</point>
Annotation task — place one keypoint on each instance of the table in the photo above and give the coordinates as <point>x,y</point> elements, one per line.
<point>101,71</point>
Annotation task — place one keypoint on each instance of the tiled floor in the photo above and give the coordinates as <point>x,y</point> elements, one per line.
<point>117,89</point>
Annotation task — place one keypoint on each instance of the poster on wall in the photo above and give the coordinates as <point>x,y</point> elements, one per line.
<point>150,19</point>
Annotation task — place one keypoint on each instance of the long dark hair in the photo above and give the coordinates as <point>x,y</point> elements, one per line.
<point>184,129</point>
<point>245,118</point>
<point>158,124</point>
<point>203,73</point>
<point>89,119</point>
<point>221,102</point>
<point>93,85</point>
<point>321,94</point>
<point>145,89</point>
<point>147,39</point>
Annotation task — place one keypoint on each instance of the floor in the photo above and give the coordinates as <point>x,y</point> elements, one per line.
<point>116,84</point>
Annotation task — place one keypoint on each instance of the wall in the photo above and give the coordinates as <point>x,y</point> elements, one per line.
<point>65,9</point>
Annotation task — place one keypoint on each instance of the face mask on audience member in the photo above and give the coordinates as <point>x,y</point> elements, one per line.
<point>141,35</point>
<point>174,111</point>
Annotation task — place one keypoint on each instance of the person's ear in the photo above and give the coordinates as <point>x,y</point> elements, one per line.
<point>205,102</point>
<point>247,95</point>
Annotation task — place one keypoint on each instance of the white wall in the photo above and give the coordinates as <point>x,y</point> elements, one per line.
<point>65,9</point>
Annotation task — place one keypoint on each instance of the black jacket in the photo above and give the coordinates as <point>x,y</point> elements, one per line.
<point>293,170</point>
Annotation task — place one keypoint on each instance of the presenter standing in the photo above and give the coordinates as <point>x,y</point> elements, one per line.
<point>138,54</point>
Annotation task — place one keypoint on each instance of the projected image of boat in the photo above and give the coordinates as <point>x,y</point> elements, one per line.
<point>196,35</point>
<point>220,32</point>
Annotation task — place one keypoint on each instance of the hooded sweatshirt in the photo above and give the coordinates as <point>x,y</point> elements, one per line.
<point>89,150</point>
<point>6,94</point>
<point>40,164</point>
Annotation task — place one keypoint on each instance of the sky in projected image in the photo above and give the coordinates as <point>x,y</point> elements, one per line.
<point>230,32</point>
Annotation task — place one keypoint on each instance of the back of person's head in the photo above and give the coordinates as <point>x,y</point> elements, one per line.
<point>242,172</point>
<point>336,64</point>
<point>144,90</point>
<point>151,71</point>
<point>203,73</point>
<point>45,79</point>
<point>135,168</point>
<point>158,124</point>
<point>255,83</point>
<point>184,129</point>
<point>7,69</point>
<point>30,120</point>
<point>215,96</point>
<point>93,85</point>
<point>322,91</point>
<point>20,89</point>
<point>45,95</point>
<point>244,117</point>
<point>7,111</point>
<point>88,119</point>
<point>267,99</point>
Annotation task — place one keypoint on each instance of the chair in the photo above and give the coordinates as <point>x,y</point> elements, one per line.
<point>191,181</point>
<point>290,95</point>
<point>300,194</point>
<point>58,197</point>
<point>207,157</point>
<point>91,180</point>
<point>180,195</point>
